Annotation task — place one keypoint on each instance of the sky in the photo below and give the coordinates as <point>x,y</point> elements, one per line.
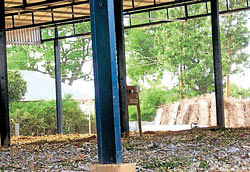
<point>242,80</point>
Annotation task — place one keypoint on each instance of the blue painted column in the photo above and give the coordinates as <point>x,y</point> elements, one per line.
<point>4,103</point>
<point>106,82</point>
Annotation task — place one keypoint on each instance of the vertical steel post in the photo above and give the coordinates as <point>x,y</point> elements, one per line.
<point>139,117</point>
<point>24,3</point>
<point>217,63</point>
<point>4,102</point>
<point>106,81</point>
<point>58,83</point>
<point>121,60</point>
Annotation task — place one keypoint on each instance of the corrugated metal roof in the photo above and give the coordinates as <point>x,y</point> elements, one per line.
<point>42,11</point>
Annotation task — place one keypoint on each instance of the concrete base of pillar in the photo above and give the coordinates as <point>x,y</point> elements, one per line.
<point>128,167</point>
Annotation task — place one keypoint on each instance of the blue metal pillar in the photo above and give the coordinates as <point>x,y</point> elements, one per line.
<point>106,82</point>
<point>58,83</point>
<point>4,103</point>
<point>217,63</point>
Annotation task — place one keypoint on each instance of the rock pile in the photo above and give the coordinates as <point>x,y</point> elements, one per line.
<point>202,111</point>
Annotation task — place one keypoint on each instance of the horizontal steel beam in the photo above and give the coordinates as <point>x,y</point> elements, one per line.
<point>65,37</point>
<point>184,18</point>
<point>48,8</point>
<point>162,5</point>
<point>54,23</point>
<point>46,2</point>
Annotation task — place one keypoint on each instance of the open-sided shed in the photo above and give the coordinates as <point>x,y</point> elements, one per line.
<point>21,22</point>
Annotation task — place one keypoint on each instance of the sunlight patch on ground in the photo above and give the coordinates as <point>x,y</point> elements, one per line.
<point>51,138</point>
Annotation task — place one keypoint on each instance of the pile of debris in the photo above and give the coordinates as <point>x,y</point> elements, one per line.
<point>202,111</point>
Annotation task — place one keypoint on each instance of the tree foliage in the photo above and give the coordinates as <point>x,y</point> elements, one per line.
<point>17,87</point>
<point>75,53</point>
<point>185,49</point>
<point>39,118</point>
<point>172,48</point>
<point>150,100</point>
<point>239,92</point>
<point>235,39</point>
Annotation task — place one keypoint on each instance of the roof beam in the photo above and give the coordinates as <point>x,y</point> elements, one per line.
<point>27,10</point>
<point>56,22</point>
<point>56,12</point>
<point>162,6</point>
<point>46,2</point>
<point>143,1</point>
<point>175,2</point>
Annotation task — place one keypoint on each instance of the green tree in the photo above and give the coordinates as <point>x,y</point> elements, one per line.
<point>239,92</point>
<point>234,40</point>
<point>181,48</point>
<point>184,49</point>
<point>75,52</point>
<point>17,87</point>
<point>38,118</point>
<point>151,99</point>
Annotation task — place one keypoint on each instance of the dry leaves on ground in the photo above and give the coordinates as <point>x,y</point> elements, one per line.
<point>195,150</point>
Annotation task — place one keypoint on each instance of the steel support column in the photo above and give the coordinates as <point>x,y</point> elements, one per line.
<point>58,83</point>
<point>4,104</point>
<point>217,63</point>
<point>121,60</point>
<point>106,81</point>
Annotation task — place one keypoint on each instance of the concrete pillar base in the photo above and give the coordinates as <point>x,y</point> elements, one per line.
<point>128,167</point>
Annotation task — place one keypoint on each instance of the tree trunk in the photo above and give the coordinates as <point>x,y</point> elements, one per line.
<point>71,80</point>
<point>229,66</point>
<point>181,82</point>
<point>228,85</point>
<point>73,77</point>
<point>180,68</point>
